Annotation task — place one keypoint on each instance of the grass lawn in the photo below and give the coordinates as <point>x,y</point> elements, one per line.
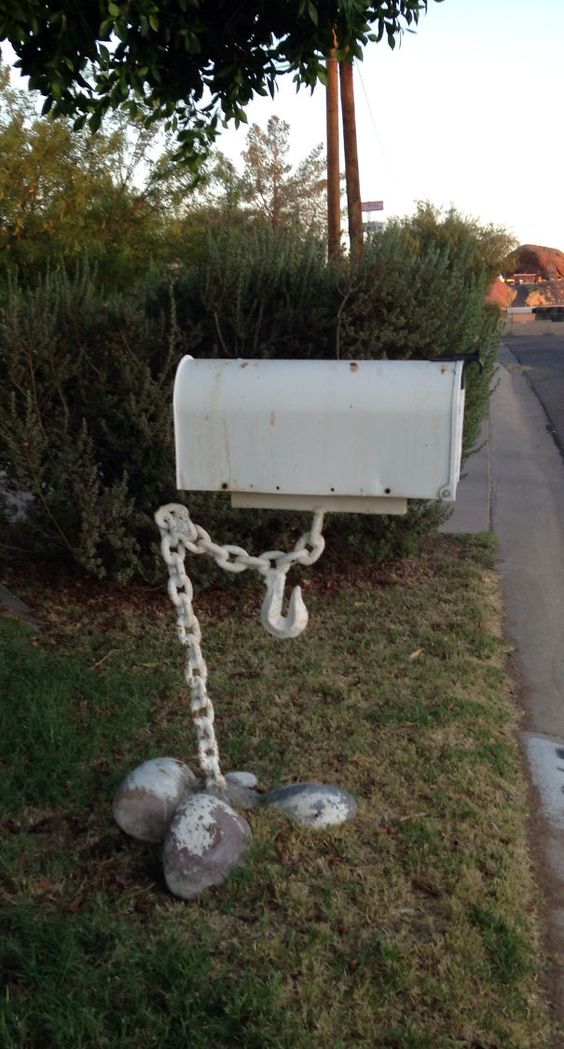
<point>412,927</point>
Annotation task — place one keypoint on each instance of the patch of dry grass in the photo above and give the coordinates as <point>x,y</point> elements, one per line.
<point>411,927</point>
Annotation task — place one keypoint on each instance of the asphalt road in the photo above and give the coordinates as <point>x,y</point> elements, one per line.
<point>542,358</point>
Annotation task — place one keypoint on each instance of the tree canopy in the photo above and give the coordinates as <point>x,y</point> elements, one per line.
<point>118,199</point>
<point>487,249</point>
<point>272,189</point>
<point>65,195</point>
<point>189,63</point>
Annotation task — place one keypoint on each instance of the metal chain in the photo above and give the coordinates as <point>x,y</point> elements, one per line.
<point>178,535</point>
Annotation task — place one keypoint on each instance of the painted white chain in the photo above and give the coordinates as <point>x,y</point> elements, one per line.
<point>178,535</point>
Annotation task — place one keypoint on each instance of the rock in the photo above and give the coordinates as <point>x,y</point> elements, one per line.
<point>235,794</point>
<point>501,294</point>
<point>243,779</point>
<point>145,802</point>
<point>241,797</point>
<point>313,804</point>
<point>241,789</point>
<point>548,263</point>
<point>206,839</point>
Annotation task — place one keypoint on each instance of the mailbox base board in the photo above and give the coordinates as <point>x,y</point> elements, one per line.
<point>337,504</point>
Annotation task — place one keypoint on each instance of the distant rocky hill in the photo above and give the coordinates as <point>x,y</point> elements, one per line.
<point>543,270</point>
<point>548,263</point>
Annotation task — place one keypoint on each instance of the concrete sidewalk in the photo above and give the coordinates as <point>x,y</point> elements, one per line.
<point>515,486</point>
<point>473,507</point>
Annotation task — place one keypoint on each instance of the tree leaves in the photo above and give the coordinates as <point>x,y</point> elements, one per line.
<point>275,192</point>
<point>187,49</point>
<point>65,195</point>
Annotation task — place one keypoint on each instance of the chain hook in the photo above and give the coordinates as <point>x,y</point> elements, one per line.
<point>271,617</point>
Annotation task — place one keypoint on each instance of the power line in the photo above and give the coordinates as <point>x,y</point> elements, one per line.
<point>374,125</point>
<point>393,175</point>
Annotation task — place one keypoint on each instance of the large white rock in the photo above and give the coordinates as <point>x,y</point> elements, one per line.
<point>206,839</point>
<point>145,802</point>
<point>313,804</point>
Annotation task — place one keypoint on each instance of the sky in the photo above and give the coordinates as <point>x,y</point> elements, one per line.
<point>466,112</point>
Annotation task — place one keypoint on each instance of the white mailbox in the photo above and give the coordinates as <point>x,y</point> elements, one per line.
<point>358,437</point>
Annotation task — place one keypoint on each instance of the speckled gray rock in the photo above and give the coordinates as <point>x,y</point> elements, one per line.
<point>240,790</point>
<point>313,804</point>
<point>145,802</point>
<point>241,797</point>
<point>234,794</point>
<point>242,779</point>
<point>206,839</point>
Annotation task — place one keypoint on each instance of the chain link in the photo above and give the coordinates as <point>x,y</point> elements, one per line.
<point>180,535</point>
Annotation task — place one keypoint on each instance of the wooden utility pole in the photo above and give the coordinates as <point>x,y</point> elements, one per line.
<point>351,160</point>
<point>333,173</point>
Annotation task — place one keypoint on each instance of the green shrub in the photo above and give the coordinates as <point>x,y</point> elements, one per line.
<point>256,292</point>
<point>85,421</point>
<point>86,379</point>
<point>413,299</point>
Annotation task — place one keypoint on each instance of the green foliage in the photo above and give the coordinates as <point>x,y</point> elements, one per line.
<point>85,418</point>
<point>259,292</point>
<point>485,248</point>
<point>86,380</point>
<point>164,54</point>
<point>65,195</point>
<point>117,199</point>
<point>270,188</point>
<point>419,293</point>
